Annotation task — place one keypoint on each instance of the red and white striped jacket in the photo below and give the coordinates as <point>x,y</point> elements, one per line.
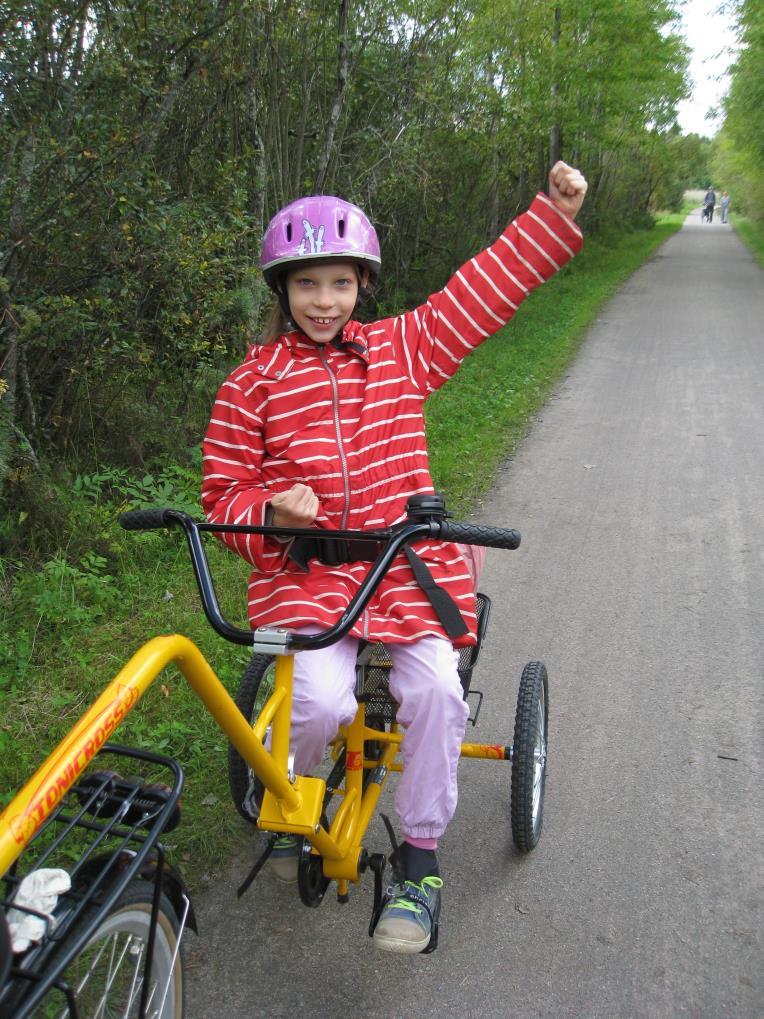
<point>348,421</point>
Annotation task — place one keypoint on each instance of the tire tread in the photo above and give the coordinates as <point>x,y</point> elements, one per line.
<point>532,683</point>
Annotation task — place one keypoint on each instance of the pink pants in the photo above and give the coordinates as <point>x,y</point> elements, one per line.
<point>425,683</point>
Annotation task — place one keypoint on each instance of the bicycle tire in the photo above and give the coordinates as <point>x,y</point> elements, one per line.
<point>112,960</point>
<point>255,687</point>
<point>529,756</point>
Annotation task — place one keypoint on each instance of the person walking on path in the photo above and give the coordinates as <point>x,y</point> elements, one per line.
<point>725,205</point>
<point>708,205</point>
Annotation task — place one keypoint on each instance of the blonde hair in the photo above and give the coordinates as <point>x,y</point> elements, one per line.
<point>275,325</point>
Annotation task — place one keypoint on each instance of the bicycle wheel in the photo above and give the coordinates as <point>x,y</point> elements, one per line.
<point>107,975</point>
<point>255,688</point>
<point>529,754</point>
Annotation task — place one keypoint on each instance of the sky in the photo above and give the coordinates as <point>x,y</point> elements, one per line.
<point>710,35</point>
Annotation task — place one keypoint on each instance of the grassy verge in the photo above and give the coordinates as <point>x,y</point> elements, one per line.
<point>69,629</point>
<point>64,660</point>
<point>751,233</point>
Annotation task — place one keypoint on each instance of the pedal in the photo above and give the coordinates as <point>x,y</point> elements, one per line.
<point>97,793</point>
<point>106,793</point>
<point>433,942</point>
<point>377,862</point>
<point>147,804</point>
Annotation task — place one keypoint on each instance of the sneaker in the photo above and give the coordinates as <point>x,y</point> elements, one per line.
<point>408,921</point>
<point>409,915</point>
<point>285,858</point>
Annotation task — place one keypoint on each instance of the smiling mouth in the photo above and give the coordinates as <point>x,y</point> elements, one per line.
<point>323,321</point>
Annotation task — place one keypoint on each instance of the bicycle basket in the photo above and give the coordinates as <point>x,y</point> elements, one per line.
<point>374,664</point>
<point>104,834</point>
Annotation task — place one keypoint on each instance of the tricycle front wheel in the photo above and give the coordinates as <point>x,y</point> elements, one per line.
<point>529,755</point>
<point>255,688</point>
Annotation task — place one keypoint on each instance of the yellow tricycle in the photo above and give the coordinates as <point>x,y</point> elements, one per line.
<point>121,918</point>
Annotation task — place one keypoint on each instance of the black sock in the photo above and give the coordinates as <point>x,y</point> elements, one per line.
<point>417,863</point>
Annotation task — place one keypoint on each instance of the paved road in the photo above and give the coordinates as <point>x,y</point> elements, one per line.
<point>640,581</point>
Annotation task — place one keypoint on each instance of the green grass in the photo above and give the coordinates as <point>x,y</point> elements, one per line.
<point>66,631</point>
<point>62,669</point>
<point>751,232</point>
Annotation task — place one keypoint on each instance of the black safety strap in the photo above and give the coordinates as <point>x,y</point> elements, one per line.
<point>443,604</point>
<point>336,552</point>
<point>333,551</point>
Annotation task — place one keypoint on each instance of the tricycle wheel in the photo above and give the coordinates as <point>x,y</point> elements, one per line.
<point>255,688</point>
<point>311,883</point>
<point>529,752</point>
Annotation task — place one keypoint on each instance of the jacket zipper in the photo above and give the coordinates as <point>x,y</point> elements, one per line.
<point>338,432</point>
<point>343,461</point>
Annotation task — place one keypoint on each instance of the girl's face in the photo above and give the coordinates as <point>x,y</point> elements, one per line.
<point>322,298</point>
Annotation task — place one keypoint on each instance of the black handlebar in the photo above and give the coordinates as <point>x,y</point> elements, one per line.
<point>145,519</point>
<point>444,530</point>
<point>418,525</point>
<point>478,534</point>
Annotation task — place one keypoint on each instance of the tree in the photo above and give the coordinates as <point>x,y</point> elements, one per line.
<point>739,146</point>
<point>146,143</point>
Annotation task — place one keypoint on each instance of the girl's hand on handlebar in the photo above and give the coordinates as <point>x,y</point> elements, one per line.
<point>567,188</point>
<point>296,508</point>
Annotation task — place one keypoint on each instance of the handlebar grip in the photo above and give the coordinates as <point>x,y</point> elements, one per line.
<point>145,519</point>
<point>478,534</point>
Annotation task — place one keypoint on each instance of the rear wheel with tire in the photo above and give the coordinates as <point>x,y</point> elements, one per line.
<point>255,688</point>
<point>529,756</point>
<point>107,975</point>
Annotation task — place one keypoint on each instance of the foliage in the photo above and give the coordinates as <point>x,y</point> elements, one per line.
<point>752,233</point>
<point>67,627</point>
<point>739,147</point>
<point>145,144</point>
<point>694,153</point>
<point>75,512</point>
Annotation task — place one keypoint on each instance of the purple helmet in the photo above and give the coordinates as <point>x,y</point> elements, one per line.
<point>316,227</point>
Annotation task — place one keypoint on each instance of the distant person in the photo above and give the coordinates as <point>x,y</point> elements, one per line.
<point>708,205</point>
<point>725,206</point>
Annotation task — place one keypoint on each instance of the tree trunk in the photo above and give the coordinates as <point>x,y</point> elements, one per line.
<point>258,172</point>
<point>8,385</point>
<point>9,325</point>
<point>555,132</point>
<point>254,129</point>
<point>149,143</point>
<point>339,97</point>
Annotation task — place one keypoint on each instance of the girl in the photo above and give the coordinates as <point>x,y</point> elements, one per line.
<point>323,425</point>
